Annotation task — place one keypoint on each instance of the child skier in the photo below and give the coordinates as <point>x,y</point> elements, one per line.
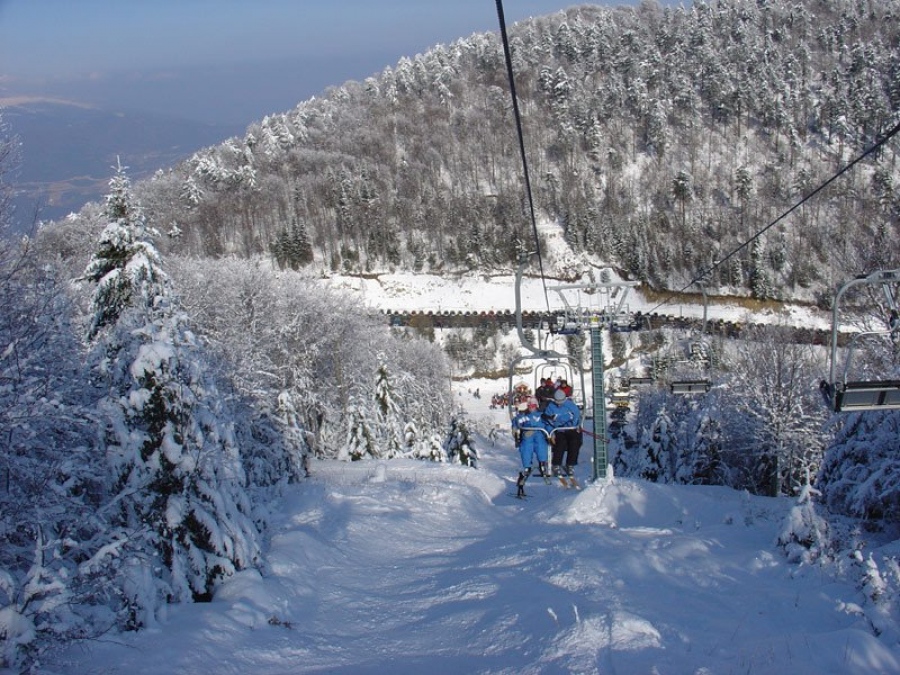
<point>530,432</point>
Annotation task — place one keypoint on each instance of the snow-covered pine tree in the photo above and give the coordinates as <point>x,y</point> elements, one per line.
<point>432,448</point>
<point>860,473</point>
<point>176,473</point>
<point>295,436</point>
<point>656,447</point>
<point>760,277</point>
<point>700,461</point>
<point>411,439</point>
<point>125,267</point>
<point>459,445</point>
<point>389,417</point>
<point>804,535</point>
<point>360,439</point>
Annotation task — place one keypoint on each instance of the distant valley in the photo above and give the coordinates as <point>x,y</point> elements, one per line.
<point>68,151</point>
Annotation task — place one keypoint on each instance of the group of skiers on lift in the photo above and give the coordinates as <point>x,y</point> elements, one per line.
<point>546,421</point>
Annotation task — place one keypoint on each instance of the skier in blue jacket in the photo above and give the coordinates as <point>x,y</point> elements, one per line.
<point>531,434</point>
<point>564,418</point>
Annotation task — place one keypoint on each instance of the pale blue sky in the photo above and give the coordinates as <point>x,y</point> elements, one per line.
<point>224,60</point>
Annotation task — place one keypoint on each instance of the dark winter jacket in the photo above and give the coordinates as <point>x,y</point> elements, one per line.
<point>544,395</point>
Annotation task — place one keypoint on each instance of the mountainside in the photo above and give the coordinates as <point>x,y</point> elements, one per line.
<point>662,139</point>
<point>69,151</point>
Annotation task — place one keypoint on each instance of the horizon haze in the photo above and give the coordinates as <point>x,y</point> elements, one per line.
<point>228,62</point>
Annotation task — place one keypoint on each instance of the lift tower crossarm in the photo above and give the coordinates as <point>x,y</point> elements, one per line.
<point>593,287</point>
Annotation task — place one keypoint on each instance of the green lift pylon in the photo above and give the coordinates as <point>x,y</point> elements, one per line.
<point>601,459</point>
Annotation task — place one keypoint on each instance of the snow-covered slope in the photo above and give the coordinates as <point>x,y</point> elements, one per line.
<point>484,292</point>
<point>409,567</point>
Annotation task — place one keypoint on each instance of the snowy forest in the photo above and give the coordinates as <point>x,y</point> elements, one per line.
<point>660,137</point>
<point>168,361</point>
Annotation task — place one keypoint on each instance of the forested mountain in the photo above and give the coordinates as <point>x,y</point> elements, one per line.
<point>662,139</point>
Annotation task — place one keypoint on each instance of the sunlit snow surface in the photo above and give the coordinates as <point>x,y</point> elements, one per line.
<point>408,567</point>
<point>411,567</point>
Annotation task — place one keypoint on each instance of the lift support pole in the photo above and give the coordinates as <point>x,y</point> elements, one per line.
<point>601,458</point>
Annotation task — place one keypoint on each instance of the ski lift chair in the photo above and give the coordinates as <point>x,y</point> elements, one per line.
<point>854,396</point>
<point>567,323</point>
<point>687,384</point>
<point>861,395</point>
<point>683,387</point>
<point>699,352</point>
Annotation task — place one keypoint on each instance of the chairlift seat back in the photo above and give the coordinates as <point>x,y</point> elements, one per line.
<point>872,395</point>
<point>690,387</point>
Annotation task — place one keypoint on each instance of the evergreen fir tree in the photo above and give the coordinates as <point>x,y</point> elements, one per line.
<point>389,416</point>
<point>176,471</point>
<point>657,445</point>
<point>126,264</point>
<point>459,445</point>
<point>295,436</point>
<point>760,283</point>
<point>860,474</point>
<point>701,460</point>
<point>360,439</point>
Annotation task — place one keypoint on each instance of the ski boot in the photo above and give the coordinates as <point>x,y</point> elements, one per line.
<point>570,474</point>
<point>544,471</point>
<point>520,483</point>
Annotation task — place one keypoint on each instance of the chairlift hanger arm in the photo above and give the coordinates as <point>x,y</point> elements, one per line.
<point>883,277</point>
<point>527,344</point>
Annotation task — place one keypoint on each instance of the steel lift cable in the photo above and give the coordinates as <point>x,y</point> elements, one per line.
<point>515,102</point>
<point>884,139</point>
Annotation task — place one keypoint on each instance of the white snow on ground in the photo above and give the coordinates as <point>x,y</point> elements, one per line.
<point>409,567</point>
<point>478,292</point>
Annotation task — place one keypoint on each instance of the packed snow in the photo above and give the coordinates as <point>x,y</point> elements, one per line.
<point>412,567</point>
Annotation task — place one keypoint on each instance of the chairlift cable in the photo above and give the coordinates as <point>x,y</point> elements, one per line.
<point>515,102</point>
<point>890,134</point>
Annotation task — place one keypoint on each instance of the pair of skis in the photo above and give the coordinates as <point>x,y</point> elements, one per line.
<point>566,481</point>
<point>569,482</point>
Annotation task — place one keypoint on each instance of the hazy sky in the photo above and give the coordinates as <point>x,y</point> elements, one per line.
<point>228,61</point>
